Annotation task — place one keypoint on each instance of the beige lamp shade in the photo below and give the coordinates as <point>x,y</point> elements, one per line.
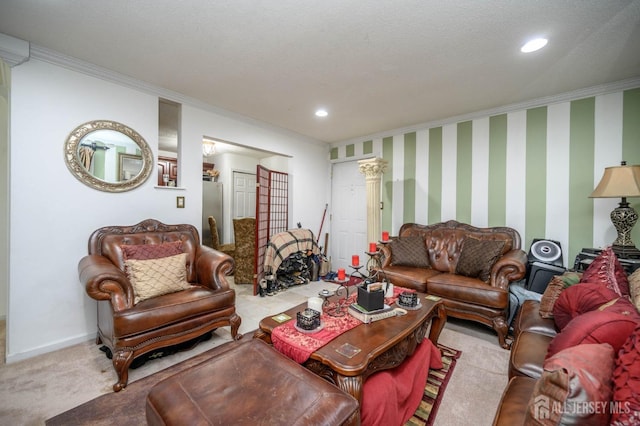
<point>618,182</point>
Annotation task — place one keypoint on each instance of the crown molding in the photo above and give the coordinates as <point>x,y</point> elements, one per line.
<point>74,64</point>
<point>13,51</point>
<point>57,58</point>
<point>617,86</point>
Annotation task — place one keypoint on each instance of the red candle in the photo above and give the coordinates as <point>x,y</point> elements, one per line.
<point>355,260</point>
<point>341,274</point>
<point>385,236</point>
<point>373,248</point>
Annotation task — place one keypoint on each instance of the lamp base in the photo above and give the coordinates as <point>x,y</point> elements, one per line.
<point>626,252</point>
<point>624,217</point>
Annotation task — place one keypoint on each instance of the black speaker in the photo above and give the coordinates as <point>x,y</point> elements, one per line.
<point>544,261</point>
<point>539,274</point>
<point>546,251</point>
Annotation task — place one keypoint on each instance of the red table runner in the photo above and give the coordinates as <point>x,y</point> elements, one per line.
<point>299,346</point>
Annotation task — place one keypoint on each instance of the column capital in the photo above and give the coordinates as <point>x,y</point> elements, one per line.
<point>372,167</point>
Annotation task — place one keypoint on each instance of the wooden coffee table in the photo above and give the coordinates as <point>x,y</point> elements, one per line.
<point>383,344</point>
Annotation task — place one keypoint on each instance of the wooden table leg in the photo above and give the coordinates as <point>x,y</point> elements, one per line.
<point>260,334</point>
<point>437,323</point>
<point>351,385</point>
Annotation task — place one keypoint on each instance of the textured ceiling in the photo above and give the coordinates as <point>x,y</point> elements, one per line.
<point>374,65</point>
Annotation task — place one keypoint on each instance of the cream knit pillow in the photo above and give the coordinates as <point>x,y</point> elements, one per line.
<point>155,277</point>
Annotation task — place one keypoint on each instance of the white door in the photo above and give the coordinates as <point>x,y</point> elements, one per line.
<point>348,234</point>
<point>244,195</point>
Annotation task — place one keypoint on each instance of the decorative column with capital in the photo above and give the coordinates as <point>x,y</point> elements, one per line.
<point>373,168</point>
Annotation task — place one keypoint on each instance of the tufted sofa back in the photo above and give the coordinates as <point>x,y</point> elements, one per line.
<point>444,240</point>
<point>107,241</point>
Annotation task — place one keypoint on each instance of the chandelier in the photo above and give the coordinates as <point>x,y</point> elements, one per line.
<point>208,148</point>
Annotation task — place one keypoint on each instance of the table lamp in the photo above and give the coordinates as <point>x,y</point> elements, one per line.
<point>621,182</point>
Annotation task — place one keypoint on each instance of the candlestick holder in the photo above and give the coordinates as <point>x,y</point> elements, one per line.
<point>326,294</point>
<point>339,309</point>
<point>357,273</point>
<point>374,260</point>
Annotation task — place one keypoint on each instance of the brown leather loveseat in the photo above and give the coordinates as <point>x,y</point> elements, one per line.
<point>137,319</point>
<point>469,268</point>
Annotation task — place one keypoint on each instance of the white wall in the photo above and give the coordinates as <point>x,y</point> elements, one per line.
<point>52,214</point>
<point>5,78</point>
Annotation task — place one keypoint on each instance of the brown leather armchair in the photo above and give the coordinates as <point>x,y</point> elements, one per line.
<point>131,329</point>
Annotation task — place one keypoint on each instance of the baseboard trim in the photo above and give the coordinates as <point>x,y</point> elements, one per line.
<point>11,358</point>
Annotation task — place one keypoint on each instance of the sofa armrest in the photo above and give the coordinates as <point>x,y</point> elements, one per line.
<point>512,408</point>
<point>105,281</point>
<point>510,267</point>
<point>384,255</point>
<point>212,268</point>
<point>528,319</point>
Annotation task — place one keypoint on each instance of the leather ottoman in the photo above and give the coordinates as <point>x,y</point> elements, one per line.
<point>248,385</point>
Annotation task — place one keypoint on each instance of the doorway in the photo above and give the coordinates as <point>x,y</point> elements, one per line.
<point>233,165</point>
<point>244,195</point>
<point>349,213</point>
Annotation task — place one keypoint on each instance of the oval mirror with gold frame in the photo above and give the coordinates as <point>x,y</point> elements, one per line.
<point>108,156</point>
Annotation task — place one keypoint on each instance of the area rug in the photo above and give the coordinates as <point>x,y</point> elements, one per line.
<point>127,407</point>
<point>434,389</point>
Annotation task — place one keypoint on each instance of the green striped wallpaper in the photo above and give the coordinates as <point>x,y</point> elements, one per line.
<point>387,184</point>
<point>409,171</point>
<point>367,147</point>
<point>631,128</point>
<point>532,170</point>
<point>497,170</point>
<point>463,172</point>
<point>536,173</point>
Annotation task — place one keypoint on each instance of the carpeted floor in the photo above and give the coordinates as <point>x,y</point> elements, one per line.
<point>47,385</point>
<point>127,407</point>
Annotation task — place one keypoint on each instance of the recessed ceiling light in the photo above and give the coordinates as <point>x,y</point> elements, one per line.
<point>533,45</point>
<point>322,113</point>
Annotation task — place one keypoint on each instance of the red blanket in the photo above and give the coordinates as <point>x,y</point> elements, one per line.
<point>390,397</point>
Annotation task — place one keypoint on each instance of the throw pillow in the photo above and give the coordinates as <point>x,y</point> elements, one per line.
<point>579,299</point>
<point>478,257</point>
<point>557,284</point>
<point>151,251</point>
<point>607,270</point>
<point>634,288</point>
<point>155,277</point>
<point>595,327</point>
<point>409,251</point>
<point>573,383</point>
<point>626,383</point>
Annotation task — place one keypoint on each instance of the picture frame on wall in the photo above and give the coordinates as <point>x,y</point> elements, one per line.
<point>129,165</point>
